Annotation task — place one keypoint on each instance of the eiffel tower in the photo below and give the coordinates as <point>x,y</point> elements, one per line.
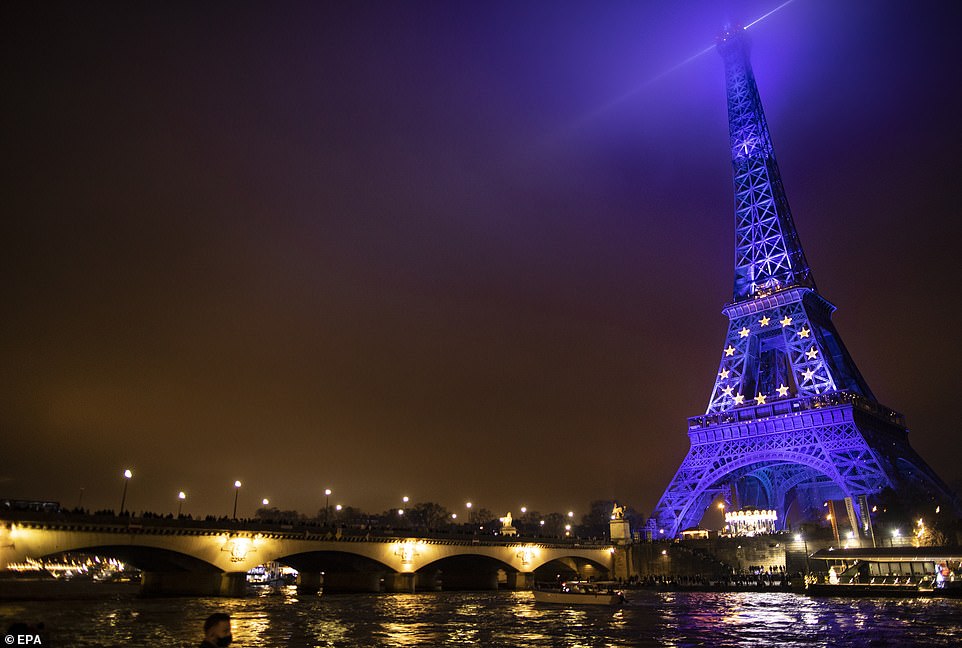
<point>790,419</point>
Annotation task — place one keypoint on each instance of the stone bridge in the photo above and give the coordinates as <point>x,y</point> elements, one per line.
<point>178,558</point>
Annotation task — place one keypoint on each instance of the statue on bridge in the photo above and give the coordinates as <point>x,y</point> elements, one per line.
<point>619,529</point>
<point>506,527</point>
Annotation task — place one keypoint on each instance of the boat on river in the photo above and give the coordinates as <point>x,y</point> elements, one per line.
<point>580,593</point>
<point>904,572</point>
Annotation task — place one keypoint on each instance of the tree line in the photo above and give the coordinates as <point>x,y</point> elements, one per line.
<point>431,516</point>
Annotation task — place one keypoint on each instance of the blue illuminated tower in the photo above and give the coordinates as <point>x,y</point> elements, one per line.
<point>790,419</point>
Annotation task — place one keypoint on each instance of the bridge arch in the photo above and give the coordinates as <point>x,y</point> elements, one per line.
<point>332,560</point>
<point>569,567</point>
<point>468,559</point>
<point>466,571</point>
<point>337,570</point>
<point>144,558</point>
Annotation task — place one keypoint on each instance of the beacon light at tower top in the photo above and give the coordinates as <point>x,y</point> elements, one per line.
<point>764,16</point>
<point>668,71</point>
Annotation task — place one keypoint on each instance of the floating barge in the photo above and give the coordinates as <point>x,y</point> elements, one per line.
<point>908,572</point>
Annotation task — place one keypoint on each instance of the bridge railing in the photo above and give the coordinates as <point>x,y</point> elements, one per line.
<point>187,526</point>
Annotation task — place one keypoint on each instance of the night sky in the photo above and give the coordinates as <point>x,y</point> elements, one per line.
<point>447,250</point>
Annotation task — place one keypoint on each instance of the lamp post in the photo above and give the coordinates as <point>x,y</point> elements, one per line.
<point>237,486</point>
<point>265,502</point>
<point>181,496</point>
<point>123,498</point>
<point>327,506</point>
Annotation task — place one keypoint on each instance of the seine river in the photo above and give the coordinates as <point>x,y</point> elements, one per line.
<point>283,618</point>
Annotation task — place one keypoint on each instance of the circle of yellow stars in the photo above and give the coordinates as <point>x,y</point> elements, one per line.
<point>782,388</point>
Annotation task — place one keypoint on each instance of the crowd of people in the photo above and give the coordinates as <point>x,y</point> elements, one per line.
<point>755,579</point>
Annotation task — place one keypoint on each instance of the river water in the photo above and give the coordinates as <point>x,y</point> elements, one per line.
<point>282,617</point>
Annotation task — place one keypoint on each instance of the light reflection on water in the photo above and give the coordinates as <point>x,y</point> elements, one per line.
<point>284,618</point>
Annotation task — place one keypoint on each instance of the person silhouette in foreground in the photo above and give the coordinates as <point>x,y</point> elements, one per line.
<point>217,631</point>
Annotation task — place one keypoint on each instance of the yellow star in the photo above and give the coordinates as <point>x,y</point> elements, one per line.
<point>804,332</point>
<point>782,391</point>
<point>739,399</point>
<point>730,351</point>
<point>765,320</point>
<point>744,332</point>
<point>723,373</point>
<point>786,321</point>
<point>808,373</point>
<point>727,391</point>
<point>812,353</point>
<point>760,399</point>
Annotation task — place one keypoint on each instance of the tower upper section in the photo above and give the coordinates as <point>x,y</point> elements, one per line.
<point>768,253</point>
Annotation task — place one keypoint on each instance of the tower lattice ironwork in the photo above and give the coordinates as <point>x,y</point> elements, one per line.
<point>790,418</point>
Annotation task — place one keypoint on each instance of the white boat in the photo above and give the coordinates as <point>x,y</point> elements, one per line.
<point>579,593</point>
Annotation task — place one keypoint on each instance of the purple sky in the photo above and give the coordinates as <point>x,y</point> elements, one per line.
<point>447,250</point>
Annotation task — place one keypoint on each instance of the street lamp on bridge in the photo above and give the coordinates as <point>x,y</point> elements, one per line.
<point>327,506</point>
<point>181,496</point>
<point>123,498</point>
<point>237,486</point>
